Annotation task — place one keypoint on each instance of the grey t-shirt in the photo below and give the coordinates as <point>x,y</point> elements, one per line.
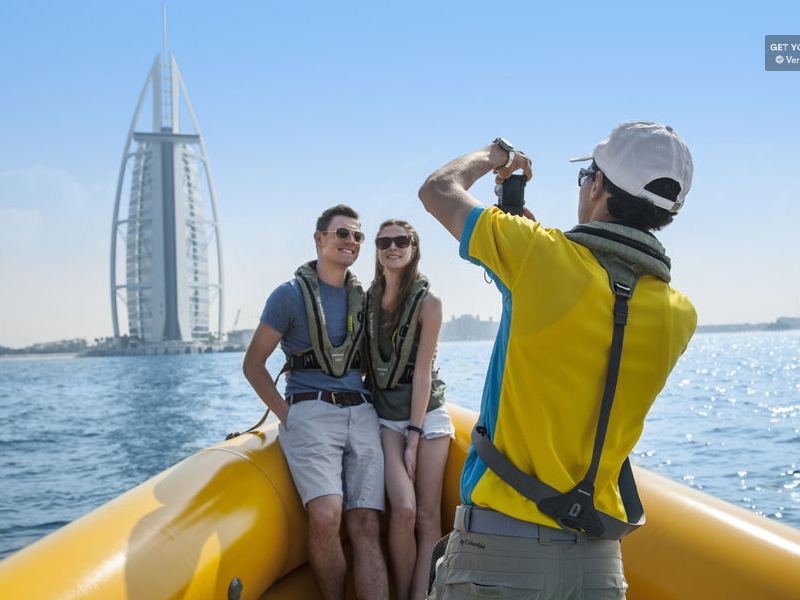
<point>286,313</point>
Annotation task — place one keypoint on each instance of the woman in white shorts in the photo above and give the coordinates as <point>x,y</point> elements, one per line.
<point>403,322</point>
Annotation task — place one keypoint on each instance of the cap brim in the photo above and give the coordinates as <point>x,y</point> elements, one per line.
<point>582,158</point>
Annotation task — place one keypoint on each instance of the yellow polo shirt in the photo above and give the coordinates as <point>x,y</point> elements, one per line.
<point>544,387</point>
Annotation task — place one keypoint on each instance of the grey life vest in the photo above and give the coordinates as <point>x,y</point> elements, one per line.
<point>399,368</point>
<point>323,356</point>
<point>626,254</point>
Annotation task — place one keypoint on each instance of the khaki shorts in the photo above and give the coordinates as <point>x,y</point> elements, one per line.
<point>477,565</point>
<point>335,450</point>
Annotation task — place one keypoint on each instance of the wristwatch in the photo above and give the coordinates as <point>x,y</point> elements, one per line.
<point>508,147</point>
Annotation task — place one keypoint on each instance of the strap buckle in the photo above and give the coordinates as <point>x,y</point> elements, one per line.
<point>333,398</point>
<point>575,509</point>
<point>462,518</point>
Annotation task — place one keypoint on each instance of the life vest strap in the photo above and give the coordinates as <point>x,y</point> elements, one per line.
<point>575,508</point>
<point>307,361</point>
<point>592,520</point>
<point>399,367</point>
<point>331,360</point>
<point>408,374</point>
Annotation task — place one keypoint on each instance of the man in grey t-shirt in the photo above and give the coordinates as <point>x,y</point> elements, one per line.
<point>329,431</point>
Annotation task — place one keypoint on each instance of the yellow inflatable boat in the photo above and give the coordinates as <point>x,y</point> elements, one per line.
<point>227,523</point>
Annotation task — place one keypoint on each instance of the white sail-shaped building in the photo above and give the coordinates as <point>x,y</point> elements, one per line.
<point>170,281</point>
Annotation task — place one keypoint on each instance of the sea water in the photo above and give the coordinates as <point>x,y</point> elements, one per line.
<point>76,432</point>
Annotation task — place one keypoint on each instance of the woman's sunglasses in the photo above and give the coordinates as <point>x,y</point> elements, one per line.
<point>343,233</point>
<point>401,241</point>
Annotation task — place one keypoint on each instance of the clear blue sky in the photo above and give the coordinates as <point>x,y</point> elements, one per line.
<point>305,105</point>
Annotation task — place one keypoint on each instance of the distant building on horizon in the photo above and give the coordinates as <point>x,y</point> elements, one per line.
<point>170,280</point>
<point>468,327</point>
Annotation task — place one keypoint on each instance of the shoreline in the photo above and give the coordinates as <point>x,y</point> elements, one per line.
<point>34,355</point>
<point>474,331</point>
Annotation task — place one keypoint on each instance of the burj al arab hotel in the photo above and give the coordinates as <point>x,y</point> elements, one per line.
<point>170,281</point>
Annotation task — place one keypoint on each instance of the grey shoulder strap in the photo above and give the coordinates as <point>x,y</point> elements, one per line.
<point>625,259</point>
<point>575,509</point>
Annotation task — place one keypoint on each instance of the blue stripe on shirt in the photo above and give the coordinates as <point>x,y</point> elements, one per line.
<point>474,467</point>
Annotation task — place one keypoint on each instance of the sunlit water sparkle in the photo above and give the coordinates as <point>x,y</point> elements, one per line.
<point>75,433</point>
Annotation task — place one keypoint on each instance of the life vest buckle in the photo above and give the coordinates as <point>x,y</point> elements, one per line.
<point>575,509</point>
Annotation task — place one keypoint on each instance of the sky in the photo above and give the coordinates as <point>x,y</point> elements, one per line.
<point>306,105</point>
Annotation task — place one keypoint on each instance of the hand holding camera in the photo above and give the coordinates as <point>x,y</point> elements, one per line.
<point>511,192</point>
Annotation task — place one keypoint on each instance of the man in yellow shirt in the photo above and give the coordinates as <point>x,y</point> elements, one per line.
<point>589,333</point>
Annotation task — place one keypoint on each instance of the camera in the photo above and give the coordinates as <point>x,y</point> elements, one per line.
<point>511,194</point>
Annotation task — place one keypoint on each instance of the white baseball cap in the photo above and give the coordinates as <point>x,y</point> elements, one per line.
<point>638,152</point>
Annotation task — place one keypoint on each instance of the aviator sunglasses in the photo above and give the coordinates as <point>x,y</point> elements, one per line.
<point>343,233</point>
<point>401,241</point>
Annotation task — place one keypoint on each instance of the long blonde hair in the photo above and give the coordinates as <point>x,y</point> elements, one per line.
<point>407,277</point>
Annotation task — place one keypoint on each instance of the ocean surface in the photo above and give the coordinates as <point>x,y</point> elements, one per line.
<point>76,432</point>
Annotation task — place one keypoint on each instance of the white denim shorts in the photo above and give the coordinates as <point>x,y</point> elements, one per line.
<point>437,423</point>
<point>335,450</point>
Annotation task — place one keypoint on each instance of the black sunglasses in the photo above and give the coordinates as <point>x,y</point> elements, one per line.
<point>343,233</point>
<point>401,241</point>
<point>583,174</point>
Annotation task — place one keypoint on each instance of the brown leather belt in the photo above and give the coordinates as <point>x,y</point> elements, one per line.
<point>342,399</point>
